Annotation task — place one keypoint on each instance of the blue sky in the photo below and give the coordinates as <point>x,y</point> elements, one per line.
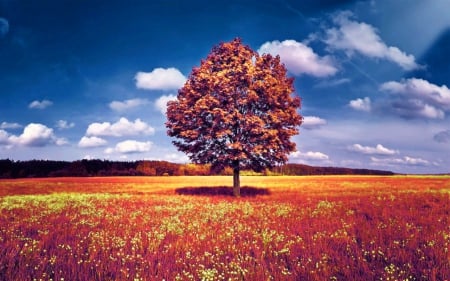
<point>90,79</point>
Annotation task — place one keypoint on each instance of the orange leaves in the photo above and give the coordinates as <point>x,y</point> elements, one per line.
<point>236,104</point>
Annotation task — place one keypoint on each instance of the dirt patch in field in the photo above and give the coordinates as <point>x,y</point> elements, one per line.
<point>246,191</point>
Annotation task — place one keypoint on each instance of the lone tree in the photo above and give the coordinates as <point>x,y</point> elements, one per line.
<point>236,110</point>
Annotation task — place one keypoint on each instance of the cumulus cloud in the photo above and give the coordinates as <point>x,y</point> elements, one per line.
<point>418,98</point>
<point>310,155</point>
<point>6,125</point>
<point>126,105</point>
<point>4,27</point>
<point>4,137</point>
<point>160,79</point>
<point>442,137</point>
<point>63,124</point>
<point>361,104</point>
<point>132,146</point>
<point>123,127</point>
<point>299,58</point>
<point>109,150</point>
<point>359,37</point>
<point>88,142</point>
<point>176,158</point>
<point>378,149</point>
<point>40,104</point>
<point>161,102</point>
<point>313,122</point>
<point>406,160</point>
<point>36,135</point>
<point>61,141</point>
<point>415,108</point>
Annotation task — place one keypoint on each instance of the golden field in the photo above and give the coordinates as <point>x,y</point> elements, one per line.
<point>189,228</point>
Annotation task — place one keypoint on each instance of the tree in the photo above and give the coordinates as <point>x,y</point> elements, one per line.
<point>236,110</point>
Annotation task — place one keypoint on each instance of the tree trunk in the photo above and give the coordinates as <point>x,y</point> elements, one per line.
<point>236,180</point>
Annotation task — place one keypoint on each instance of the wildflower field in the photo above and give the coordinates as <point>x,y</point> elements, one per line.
<point>189,228</point>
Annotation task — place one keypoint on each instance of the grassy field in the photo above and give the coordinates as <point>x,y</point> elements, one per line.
<point>189,228</point>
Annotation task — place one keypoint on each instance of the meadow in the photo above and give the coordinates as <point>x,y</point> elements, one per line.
<point>189,228</point>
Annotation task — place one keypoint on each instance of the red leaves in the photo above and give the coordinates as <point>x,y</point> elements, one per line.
<point>237,105</point>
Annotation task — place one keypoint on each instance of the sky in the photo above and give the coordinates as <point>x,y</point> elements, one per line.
<point>91,79</point>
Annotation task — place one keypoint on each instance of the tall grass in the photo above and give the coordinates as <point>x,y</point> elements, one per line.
<point>304,228</point>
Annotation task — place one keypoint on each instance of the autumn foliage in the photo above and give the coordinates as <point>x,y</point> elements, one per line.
<point>236,110</point>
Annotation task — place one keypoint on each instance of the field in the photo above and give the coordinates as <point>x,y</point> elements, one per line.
<point>189,228</point>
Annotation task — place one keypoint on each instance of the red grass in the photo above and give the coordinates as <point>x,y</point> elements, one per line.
<point>300,228</point>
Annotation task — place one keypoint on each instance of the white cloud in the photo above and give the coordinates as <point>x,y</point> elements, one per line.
<point>161,102</point>
<point>418,98</point>
<point>61,141</point>
<point>361,104</point>
<point>127,104</point>
<point>88,142</point>
<point>363,38</point>
<point>176,158</point>
<point>299,58</point>
<point>160,79</point>
<point>4,137</point>
<point>123,127</point>
<point>406,160</point>
<point>40,104</point>
<point>313,122</point>
<point>310,155</point>
<point>6,125</point>
<point>132,146</point>
<point>420,88</point>
<point>36,135</point>
<point>109,150</point>
<point>430,111</point>
<point>63,124</point>
<point>415,108</point>
<point>378,149</point>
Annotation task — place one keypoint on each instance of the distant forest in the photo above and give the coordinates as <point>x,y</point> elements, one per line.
<point>100,168</point>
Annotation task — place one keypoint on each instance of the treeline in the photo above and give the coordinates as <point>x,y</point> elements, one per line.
<point>99,168</point>
<point>305,170</point>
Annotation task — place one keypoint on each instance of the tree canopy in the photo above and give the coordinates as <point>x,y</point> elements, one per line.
<point>237,109</point>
